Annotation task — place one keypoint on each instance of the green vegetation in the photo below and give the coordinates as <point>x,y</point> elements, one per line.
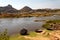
<point>32,34</point>
<point>21,37</point>
<point>52,24</point>
<point>14,37</point>
<point>47,26</point>
<point>18,37</point>
<point>4,35</point>
<point>53,21</point>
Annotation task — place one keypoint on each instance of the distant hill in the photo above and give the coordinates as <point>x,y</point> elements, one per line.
<point>10,12</point>
<point>8,9</point>
<point>26,9</point>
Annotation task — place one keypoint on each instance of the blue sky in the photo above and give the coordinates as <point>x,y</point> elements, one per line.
<point>35,4</point>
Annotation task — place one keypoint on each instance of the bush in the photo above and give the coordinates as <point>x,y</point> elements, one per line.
<point>52,25</point>
<point>4,36</point>
<point>24,32</point>
<point>46,26</point>
<point>53,21</point>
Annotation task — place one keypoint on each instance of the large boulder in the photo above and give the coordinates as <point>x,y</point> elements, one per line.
<point>24,32</point>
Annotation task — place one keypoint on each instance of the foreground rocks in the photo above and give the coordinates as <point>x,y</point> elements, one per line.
<point>24,32</point>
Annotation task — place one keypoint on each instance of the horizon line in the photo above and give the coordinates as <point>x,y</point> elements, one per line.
<point>29,7</point>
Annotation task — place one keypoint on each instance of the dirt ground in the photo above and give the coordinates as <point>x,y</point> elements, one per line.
<point>54,35</point>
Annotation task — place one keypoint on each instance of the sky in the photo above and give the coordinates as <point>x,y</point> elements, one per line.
<point>34,4</point>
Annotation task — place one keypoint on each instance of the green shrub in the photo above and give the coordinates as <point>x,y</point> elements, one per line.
<point>4,35</point>
<point>53,21</point>
<point>47,26</point>
<point>50,25</point>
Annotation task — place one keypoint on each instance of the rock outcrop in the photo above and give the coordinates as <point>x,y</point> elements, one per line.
<point>8,9</point>
<point>26,9</point>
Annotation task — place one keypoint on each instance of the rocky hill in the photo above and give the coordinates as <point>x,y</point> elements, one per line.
<point>26,9</point>
<point>8,9</point>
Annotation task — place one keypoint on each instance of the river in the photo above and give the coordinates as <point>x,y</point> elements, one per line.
<point>14,25</point>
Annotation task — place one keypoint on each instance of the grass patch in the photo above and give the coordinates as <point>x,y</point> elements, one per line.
<point>32,34</point>
<point>21,37</point>
<point>51,24</point>
<point>14,37</point>
<point>18,37</point>
<point>47,26</point>
<point>53,21</point>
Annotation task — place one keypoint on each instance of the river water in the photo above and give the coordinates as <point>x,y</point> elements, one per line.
<point>14,25</point>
